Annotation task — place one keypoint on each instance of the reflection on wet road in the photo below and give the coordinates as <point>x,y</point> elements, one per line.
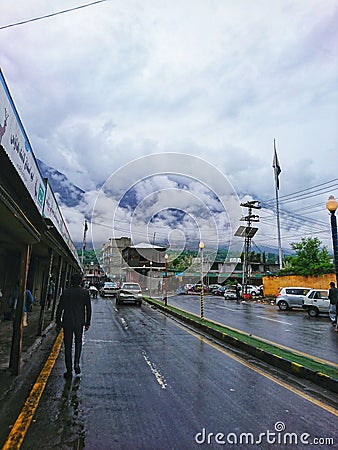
<point>149,383</point>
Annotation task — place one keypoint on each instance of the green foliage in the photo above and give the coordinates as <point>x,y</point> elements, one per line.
<point>311,258</point>
<point>89,256</point>
<point>180,262</point>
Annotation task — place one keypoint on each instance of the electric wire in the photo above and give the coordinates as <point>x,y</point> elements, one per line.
<point>46,16</point>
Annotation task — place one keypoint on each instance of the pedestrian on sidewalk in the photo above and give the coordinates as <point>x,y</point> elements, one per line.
<point>29,300</point>
<point>73,314</point>
<point>333,308</point>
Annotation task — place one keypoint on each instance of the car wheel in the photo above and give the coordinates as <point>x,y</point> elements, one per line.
<point>313,312</point>
<point>283,306</point>
<point>253,294</point>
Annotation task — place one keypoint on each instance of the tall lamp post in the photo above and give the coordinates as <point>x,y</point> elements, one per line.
<point>166,281</point>
<point>150,278</point>
<point>201,246</point>
<point>332,206</point>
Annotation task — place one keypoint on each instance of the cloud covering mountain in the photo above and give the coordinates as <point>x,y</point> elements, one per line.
<point>125,79</point>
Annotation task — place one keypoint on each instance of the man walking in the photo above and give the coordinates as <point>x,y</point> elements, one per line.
<point>73,313</point>
<point>333,308</point>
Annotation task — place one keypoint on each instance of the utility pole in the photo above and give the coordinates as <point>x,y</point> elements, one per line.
<point>249,232</point>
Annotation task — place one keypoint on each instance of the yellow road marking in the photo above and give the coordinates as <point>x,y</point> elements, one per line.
<point>19,430</point>
<point>285,385</point>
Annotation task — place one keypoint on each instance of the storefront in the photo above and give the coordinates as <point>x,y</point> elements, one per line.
<point>36,251</point>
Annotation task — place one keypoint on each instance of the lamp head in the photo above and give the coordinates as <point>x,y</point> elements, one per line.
<point>201,245</point>
<point>166,256</point>
<point>332,204</point>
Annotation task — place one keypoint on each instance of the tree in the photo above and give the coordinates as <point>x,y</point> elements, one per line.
<point>180,262</point>
<point>311,258</point>
<point>89,256</point>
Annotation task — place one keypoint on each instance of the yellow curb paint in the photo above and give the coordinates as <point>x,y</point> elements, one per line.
<point>19,430</point>
<point>297,367</point>
<point>281,383</point>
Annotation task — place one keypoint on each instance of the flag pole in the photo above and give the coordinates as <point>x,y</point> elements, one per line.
<point>84,241</point>
<point>277,171</point>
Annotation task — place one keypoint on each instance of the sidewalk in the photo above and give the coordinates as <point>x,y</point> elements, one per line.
<point>31,342</point>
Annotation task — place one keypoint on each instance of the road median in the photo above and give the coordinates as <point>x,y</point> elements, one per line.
<point>296,363</point>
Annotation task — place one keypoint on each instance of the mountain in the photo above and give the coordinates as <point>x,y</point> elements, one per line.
<point>71,195</point>
<point>68,193</point>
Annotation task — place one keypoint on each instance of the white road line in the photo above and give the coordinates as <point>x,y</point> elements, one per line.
<point>124,323</point>
<point>274,320</point>
<point>159,378</point>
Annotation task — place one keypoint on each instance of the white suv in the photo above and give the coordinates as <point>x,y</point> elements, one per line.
<point>317,302</point>
<point>253,290</point>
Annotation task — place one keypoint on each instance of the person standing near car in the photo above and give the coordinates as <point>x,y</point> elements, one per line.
<point>238,293</point>
<point>73,314</point>
<point>333,308</point>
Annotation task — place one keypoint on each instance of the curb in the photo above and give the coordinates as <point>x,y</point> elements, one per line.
<point>11,383</point>
<point>287,363</point>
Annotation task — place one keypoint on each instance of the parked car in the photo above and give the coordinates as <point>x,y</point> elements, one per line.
<point>317,302</point>
<point>197,288</point>
<point>109,289</point>
<point>129,292</point>
<point>291,297</point>
<point>219,291</point>
<point>181,290</point>
<point>214,286</point>
<point>230,294</point>
<point>252,290</point>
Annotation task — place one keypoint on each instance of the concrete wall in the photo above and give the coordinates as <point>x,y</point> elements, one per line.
<point>273,284</point>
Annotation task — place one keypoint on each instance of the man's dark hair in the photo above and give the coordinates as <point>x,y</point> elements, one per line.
<point>76,279</point>
<point>332,284</point>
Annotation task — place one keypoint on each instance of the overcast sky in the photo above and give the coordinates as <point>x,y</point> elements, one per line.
<point>101,86</point>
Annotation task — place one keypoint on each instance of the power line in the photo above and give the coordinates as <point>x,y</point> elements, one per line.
<point>52,14</point>
<point>329,185</point>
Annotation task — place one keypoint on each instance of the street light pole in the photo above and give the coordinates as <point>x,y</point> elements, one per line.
<point>151,272</point>
<point>166,281</point>
<point>332,206</point>
<point>201,246</point>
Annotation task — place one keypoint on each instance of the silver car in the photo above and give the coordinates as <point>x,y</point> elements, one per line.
<point>291,297</point>
<point>129,292</point>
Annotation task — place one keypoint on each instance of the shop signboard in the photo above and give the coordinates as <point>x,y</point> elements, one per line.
<point>14,140</point>
<point>52,211</point>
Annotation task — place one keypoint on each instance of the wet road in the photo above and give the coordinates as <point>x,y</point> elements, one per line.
<point>149,383</point>
<point>295,329</point>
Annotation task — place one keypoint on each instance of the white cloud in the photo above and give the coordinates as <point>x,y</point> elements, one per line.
<point>102,86</point>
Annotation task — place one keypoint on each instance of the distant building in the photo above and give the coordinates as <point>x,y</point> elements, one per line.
<point>111,261</point>
<point>93,273</point>
<point>145,264</point>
